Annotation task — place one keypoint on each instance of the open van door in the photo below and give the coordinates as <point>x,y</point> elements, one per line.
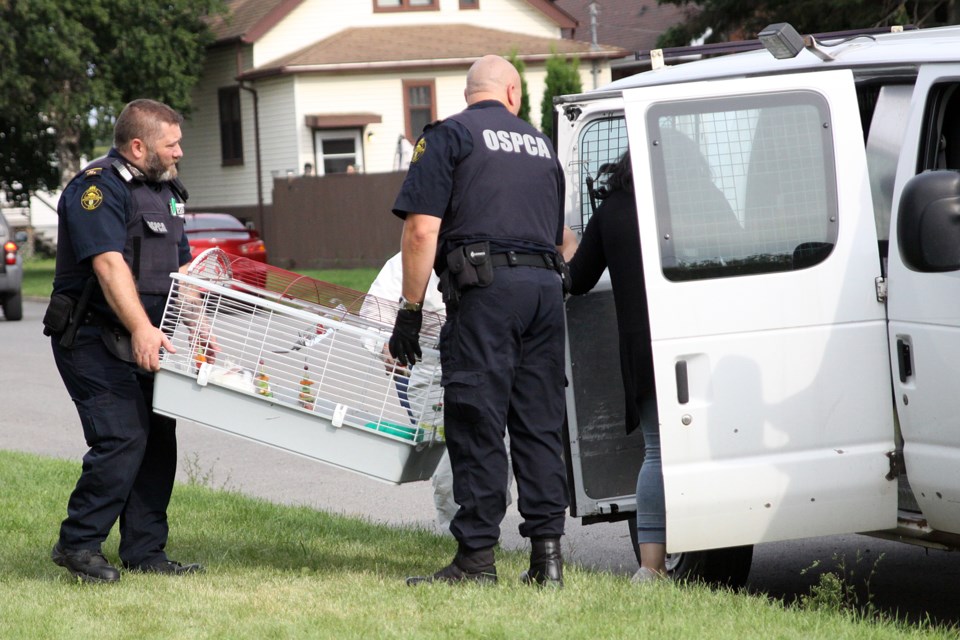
<point>769,340</point>
<point>924,304</point>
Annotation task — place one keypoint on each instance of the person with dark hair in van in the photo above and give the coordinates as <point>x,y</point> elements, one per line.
<point>611,241</point>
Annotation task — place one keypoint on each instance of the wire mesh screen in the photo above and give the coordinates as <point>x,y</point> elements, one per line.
<point>307,345</point>
<point>743,190</point>
<point>602,142</point>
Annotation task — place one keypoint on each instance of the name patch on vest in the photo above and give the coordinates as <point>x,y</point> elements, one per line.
<point>156,226</point>
<point>514,142</point>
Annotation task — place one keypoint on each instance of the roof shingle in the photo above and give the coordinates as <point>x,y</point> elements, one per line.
<point>438,44</point>
<point>631,24</point>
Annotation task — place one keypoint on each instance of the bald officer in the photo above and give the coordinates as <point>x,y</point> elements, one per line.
<point>481,205</point>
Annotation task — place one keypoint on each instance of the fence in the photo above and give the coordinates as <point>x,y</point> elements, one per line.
<point>335,221</point>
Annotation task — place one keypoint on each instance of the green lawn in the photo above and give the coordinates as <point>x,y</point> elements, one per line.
<point>285,572</point>
<point>38,277</point>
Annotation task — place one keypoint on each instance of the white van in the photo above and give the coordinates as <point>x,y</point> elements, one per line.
<point>806,327</point>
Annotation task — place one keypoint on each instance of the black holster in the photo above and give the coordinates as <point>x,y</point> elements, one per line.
<point>59,314</point>
<point>117,341</point>
<point>561,267</point>
<point>468,266</point>
<point>64,315</point>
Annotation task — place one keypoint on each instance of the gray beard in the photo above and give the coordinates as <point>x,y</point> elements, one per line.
<point>156,172</point>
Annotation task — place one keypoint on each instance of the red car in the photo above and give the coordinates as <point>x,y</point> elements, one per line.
<point>206,230</point>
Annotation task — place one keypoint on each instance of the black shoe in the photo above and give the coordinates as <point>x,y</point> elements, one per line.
<point>165,567</point>
<point>546,563</point>
<point>467,566</point>
<point>87,564</point>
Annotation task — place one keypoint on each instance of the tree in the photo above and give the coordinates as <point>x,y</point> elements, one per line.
<point>563,76</point>
<point>525,99</point>
<point>738,20</point>
<point>68,67</point>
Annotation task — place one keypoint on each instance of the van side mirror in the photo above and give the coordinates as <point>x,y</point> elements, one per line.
<point>928,222</point>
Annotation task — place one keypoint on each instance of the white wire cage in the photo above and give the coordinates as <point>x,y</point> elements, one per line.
<point>302,365</point>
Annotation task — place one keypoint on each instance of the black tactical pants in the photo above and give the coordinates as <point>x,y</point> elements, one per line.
<point>128,473</point>
<point>502,353</point>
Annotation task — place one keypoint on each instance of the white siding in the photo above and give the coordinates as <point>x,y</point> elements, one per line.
<point>504,15</point>
<point>286,143</point>
<point>382,94</point>
<point>201,168</point>
<point>315,20</point>
<point>279,147</point>
<point>209,182</point>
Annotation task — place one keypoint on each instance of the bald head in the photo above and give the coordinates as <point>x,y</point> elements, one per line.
<point>493,78</point>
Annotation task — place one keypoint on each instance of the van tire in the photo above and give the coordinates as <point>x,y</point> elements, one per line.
<point>13,306</point>
<point>724,567</point>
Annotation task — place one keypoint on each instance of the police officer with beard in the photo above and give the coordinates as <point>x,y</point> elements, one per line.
<point>482,205</point>
<point>120,236</point>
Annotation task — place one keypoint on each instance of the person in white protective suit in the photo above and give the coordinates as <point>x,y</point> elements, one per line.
<point>387,286</point>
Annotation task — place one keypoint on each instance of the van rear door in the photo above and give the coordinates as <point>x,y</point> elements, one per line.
<point>761,259</point>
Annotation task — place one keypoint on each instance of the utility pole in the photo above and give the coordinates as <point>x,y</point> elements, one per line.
<point>594,67</point>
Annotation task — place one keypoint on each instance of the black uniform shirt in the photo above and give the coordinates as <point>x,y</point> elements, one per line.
<point>94,209</point>
<point>429,186</point>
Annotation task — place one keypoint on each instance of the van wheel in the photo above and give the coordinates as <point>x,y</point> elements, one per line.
<point>725,567</point>
<point>13,307</point>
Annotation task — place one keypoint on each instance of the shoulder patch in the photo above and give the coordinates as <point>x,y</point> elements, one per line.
<point>418,150</point>
<point>91,198</point>
<point>92,173</point>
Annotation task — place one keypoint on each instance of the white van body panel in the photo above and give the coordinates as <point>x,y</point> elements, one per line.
<point>924,312</point>
<point>786,430</point>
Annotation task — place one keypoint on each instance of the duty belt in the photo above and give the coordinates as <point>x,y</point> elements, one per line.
<point>514,259</point>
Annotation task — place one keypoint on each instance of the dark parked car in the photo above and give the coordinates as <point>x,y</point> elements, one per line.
<point>207,230</point>
<point>11,274</point>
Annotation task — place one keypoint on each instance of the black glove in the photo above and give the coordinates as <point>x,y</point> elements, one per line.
<point>405,340</point>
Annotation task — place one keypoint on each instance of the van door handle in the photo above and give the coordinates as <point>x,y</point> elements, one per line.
<point>683,388</point>
<point>904,359</point>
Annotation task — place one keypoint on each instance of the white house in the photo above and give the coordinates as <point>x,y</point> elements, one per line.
<point>347,85</point>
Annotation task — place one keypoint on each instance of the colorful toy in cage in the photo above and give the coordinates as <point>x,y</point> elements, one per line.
<point>200,357</point>
<point>307,393</point>
<point>262,382</point>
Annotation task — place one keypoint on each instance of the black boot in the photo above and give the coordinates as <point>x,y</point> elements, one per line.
<point>546,563</point>
<point>467,566</point>
<point>88,565</point>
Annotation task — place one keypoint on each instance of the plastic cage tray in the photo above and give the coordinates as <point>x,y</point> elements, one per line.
<point>299,364</point>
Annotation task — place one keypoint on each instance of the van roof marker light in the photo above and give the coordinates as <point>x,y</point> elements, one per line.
<point>781,40</point>
<point>784,42</point>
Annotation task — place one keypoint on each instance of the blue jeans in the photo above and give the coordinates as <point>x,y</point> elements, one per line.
<point>651,509</point>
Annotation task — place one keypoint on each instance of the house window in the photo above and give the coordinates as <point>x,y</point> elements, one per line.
<point>469,4</point>
<point>419,106</point>
<point>338,151</point>
<point>406,5</point>
<point>231,127</point>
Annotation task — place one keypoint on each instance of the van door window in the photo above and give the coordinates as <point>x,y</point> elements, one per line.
<point>601,142</point>
<point>743,185</point>
<point>941,138</point>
